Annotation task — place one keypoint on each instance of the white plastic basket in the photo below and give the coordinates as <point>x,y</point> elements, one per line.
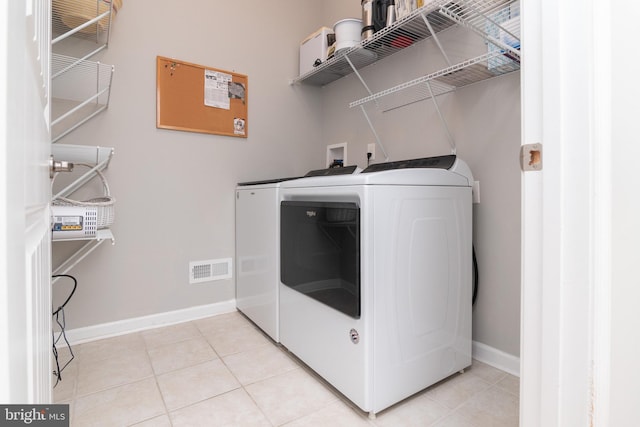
<point>104,204</point>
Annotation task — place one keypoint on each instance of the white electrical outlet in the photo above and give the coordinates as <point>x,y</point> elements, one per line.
<point>371,148</point>
<point>475,191</point>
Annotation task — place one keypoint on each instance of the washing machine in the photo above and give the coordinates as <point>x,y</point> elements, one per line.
<point>258,247</point>
<point>376,277</point>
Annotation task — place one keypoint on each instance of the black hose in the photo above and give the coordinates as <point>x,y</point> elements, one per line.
<point>58,314</point>
<point>475,275</point>
<point>75,285</point>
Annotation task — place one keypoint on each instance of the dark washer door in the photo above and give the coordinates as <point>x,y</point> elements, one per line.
<point>320,252</point>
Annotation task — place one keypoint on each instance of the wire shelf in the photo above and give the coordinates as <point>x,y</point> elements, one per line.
<point>423,23</point>
<point>81,28</point>
<point>443,81</point>
<point>497,22</point>
<point>80,89</point>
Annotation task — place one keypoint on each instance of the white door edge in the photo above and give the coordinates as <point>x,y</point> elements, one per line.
<point>566,218</point>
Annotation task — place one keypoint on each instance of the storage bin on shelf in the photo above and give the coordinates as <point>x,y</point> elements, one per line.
<point>104,204</point>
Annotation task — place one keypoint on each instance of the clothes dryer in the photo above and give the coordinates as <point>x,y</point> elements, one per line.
<point>258,247</point>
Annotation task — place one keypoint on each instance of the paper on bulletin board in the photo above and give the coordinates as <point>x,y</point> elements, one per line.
<point>216,89</point>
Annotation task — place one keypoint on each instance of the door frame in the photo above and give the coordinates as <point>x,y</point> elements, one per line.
<point>566,217</point>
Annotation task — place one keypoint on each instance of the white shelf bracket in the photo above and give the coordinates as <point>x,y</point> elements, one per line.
<point>366,116</point>
<point>436,39</point>
<point>444,122</point>
<point>83,252</point>
<point>355,70</point>
<point>375,134</point>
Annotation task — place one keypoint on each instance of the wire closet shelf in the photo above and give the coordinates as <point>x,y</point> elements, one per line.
<point>81,90</point>
<point>498,25</point>
<point>486,18</point>
<point>82,27</point>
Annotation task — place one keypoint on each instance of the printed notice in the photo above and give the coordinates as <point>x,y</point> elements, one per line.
<point>216,89</point>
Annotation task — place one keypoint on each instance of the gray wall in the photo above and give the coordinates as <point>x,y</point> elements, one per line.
<point>175,189</point>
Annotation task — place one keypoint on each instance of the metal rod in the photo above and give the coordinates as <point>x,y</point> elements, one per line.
<point>80,27</point>
<point>86,177</point>
<point>78,124</point>
<point>100,237</point>
<point>113,68</point>
<point>375,134</point>
<point>68,67</point>
<point>77,61</point>
<point>357,74</point>
<point>79,106</point>
<point>444,122</point>
<point>109,27</point>
<point>436,39</point>
<point>75,259</point>
<point>98,82</point>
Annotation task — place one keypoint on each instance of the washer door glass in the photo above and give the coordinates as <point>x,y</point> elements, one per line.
<point>320,252</point>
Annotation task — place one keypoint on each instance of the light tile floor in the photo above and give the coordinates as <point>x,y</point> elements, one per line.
<point>223,371</point>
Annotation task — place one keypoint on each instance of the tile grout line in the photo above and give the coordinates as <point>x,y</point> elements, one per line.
<point>456,410</point>
<point>155,379</point>
<point>217,355</point>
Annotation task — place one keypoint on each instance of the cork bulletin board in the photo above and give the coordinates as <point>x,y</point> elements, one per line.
<point>195,98</point>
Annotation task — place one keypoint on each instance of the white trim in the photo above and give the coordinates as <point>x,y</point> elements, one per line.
<point>565,304</point>
<point>5,244</point>
<point>531,397</point>
<point>121,327</point>
<point>601,226</point>
<point>496,358</point>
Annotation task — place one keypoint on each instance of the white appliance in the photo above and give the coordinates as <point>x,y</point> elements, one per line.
<point>376,277</point>
<point>313,49</point>
<point>258,248</point>
<point>257,252</point>
<point>348,33</point>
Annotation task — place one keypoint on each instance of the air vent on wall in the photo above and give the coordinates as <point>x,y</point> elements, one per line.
<point>214,269</point>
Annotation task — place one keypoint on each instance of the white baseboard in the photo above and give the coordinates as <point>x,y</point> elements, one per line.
<point>121,327</point>
<point>496,358</point>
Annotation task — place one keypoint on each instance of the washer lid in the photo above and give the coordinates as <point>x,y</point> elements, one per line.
<point>266,181</point>
<point>440,162</point>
